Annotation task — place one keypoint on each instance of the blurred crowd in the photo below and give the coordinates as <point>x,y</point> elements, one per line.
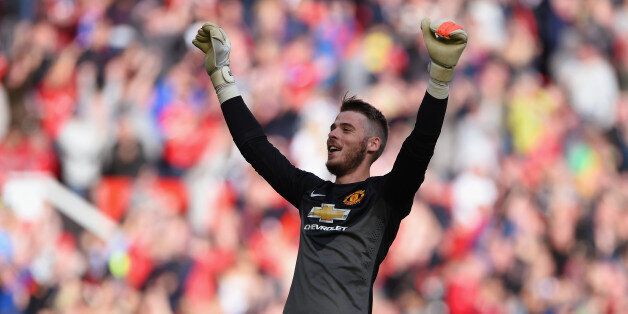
<point>525,205</point>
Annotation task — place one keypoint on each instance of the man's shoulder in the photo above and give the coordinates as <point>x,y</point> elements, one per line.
<point>311,177</point>
<point>378,181</point>
<point>310,181</point>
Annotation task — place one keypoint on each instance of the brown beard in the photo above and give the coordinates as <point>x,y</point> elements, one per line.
<point>355,156</point>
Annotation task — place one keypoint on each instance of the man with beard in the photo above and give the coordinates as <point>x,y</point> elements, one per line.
<point>347,226</point>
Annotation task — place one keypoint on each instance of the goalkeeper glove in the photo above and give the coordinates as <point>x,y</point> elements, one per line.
<point>213,41</point>
<point>445,41</point>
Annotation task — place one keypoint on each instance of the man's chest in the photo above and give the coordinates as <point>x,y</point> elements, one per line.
<point>328,211</point>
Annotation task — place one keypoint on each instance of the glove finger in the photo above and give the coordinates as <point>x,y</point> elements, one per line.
<point>204,47</point>
<point>202,33</point>
<point>425,27</point>
<point>216,32</point>
<point>208,26</point>
<point>202,39</point>
<point>197,44</point>
<point>211,30</point>
<point>458,37</point>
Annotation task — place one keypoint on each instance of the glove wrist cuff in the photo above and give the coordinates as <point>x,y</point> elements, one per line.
<point>224,84</point>
<point>441,73</point>
<point>438,90</point>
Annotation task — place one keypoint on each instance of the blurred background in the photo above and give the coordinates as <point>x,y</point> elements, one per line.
<point>524,208</point>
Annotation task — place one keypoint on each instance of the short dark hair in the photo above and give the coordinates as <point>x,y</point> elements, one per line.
<point>379,125</point>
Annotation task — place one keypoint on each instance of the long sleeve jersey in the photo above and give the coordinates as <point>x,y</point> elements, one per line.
<point>346,229</point>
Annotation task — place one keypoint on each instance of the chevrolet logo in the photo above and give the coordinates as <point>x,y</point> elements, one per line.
<point>327,213</point>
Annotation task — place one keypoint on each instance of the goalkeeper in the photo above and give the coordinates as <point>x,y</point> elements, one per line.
<point>347,226</point>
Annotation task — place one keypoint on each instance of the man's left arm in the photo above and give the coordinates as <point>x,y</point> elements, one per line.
<point>445,42</point>
<point>416,151</point>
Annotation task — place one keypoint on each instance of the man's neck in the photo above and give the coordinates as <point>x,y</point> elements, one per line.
<point>356,176</point>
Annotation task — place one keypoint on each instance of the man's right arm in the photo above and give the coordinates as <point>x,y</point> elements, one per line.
<point>247,133</point>
<point>265,158</point>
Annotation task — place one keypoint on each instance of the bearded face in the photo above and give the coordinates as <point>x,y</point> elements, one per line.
<point>345,160</point>
<point>346,143</point>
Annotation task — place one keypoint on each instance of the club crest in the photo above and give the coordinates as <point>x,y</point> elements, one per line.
<point>354,198</point>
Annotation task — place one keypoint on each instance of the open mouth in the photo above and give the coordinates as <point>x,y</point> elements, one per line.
<point>332,148</point>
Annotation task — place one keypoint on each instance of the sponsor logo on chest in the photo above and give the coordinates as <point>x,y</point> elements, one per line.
<point>324,228</point>
<point>327,213</point>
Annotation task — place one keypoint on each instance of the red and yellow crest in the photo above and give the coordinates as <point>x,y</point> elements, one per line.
<point>354,198</point>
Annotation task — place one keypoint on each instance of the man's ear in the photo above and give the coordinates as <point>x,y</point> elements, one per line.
<point>373,144</point>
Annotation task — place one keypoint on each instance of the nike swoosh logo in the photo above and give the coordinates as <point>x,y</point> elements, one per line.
<point>315,195</point>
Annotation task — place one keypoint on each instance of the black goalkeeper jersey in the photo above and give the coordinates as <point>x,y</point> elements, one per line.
<point>346,229</point>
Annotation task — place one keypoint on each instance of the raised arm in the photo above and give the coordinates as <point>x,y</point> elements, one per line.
<point>247,133</point>
<point>445,42</point>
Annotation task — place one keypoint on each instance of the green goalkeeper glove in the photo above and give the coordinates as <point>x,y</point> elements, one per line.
<point>213,41</point>
<point>445,41</point>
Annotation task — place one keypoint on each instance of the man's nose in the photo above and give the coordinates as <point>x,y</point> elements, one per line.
<point>333,134</point>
